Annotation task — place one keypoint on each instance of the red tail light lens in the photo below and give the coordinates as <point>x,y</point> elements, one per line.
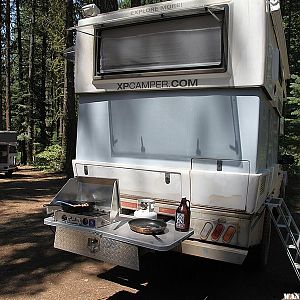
<point>217,232</point>
<point>228,235</point>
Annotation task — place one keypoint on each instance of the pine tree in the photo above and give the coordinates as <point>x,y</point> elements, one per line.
<point>1,82</point>
<point>7,68</point>
<point>31,92</point>
<point>70,122</point>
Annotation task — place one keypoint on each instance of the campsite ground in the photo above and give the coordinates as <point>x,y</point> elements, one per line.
<point>30,268</point>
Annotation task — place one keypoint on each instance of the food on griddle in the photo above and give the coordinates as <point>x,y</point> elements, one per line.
<point>81,205</point>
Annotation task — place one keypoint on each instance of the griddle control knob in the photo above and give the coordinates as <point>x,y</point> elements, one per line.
<point>85,221</point>
<point>64,218</point>
<point>92,223</point>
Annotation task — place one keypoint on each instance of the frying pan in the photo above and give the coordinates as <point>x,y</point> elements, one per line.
<point>147,226</point>
<point>74,207</point>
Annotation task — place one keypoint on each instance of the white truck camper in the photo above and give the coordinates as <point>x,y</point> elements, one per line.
<point>176,99</point>
<point>8,152</point>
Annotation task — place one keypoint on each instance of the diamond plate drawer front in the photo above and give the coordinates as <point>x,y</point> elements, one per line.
<point>119,253</point>
<point>92,245</point>
<point>74,241</point>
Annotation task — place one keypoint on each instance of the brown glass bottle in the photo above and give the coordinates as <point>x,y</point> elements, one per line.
<point>183,214</point>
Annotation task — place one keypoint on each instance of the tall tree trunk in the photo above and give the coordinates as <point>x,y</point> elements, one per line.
<point>135,3</point>
<point>107,5</point>
<point>289,29</point>
<point>1,85</point>
<point>60,109</point>
<point>283,6</point>
<point>7,67</point>
<point>30,121</point>
<point>70,120</point>
<point>42,100</point>
<point>20,71</point>
<point>20,52</point>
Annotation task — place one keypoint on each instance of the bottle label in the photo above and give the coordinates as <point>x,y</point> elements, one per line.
<point>180,221</point>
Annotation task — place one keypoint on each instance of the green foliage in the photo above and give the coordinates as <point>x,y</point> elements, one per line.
<point>124,4</point>
<point>291,141</point>
<point>49,159</point>
<point>290,11</point>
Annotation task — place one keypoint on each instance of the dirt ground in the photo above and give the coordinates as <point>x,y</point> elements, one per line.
<point>30,268</point>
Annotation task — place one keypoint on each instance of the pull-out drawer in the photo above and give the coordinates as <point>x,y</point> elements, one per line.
<point>94,245</point>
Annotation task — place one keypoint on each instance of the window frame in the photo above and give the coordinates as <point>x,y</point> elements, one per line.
<point>222,68</point>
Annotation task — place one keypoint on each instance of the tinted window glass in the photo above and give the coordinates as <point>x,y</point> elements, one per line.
<point>185,43</point>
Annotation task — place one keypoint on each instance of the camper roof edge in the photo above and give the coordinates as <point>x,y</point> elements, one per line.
<point>150,10</point>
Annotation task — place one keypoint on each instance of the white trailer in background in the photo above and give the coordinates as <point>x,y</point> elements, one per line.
<point>183,98</point>
<point>8,152</point>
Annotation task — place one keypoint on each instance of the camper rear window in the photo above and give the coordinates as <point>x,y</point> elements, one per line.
<point>191,42</point>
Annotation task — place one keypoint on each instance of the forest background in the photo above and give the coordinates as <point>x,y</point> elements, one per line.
<point>37,97</point>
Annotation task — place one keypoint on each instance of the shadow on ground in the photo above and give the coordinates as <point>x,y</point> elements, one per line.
<point>21,187</point>
<point>33,257</point>
<point>27,255</point>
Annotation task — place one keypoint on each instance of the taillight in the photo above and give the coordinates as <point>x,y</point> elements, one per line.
<point>228,235</point>
<point>206,231</point>
<point>217,232</point>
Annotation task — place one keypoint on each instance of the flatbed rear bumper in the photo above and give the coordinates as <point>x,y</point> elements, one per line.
<point>212,251</point>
